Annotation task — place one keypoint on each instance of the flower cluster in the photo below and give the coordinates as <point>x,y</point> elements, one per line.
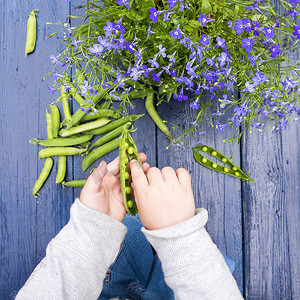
<point>165,48</point>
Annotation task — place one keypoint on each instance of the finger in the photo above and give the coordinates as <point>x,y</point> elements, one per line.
<point>93,182</point>
<point>184,177</point>
<point>138,176</point>
<point>114,166</point>
<point>146,167</point>
<point>169,174</point>
<point>154,176</point>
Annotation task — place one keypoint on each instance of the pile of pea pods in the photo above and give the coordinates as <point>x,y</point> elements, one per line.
<point>72,136</point>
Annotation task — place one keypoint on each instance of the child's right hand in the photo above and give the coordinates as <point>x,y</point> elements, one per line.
<point>164,197</point>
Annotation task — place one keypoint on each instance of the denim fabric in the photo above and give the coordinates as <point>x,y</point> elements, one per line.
<point>136,273</point>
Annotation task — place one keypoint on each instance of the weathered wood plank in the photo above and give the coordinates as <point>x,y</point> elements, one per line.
<point>26,223</point>
<point>219,194</point>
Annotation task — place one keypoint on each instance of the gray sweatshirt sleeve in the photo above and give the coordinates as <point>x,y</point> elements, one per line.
<point>193,266</point>
<point>77,258</point>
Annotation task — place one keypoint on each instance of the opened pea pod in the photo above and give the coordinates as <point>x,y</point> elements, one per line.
<point>127,152</point>
<point>232,170</point>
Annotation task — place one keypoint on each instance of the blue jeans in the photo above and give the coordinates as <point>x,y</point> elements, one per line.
<point>137,273</point>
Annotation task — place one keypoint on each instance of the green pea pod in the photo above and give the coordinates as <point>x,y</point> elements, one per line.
<point>74,183</point>
<point>99,114</point>
<point>66,105</point>
<point>62,142</point>
<point>99,152</point>
<point>55,120</point>
<point>149,104</point>
<point>43,176</point>
<point>53,151</point>
<point>31,32</point>
<point>127,146</point>
<point>49,125</point>
<point>233,169</point>
<point>109,136</point>
<point>61,170</point>
<point>114,124</point>
<point>84,127</point>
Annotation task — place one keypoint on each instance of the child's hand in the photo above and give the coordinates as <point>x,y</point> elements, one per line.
<point>102,191</point>
<point>164,198</point>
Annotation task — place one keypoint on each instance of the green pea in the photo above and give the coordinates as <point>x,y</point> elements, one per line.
<point>226,170</point>
<point>236,173</point>
<point>214,153</point>
<point>127,190</point>
<point>126,145</point>
<point>214,165</point>
<point>204,160</point>
<point>126,160</point>
<point>204,149</point>
<point>126,175</point>
<point>224,160</point>
<point>130,150</point>
<point>129,204</point>
<point>234,168</point>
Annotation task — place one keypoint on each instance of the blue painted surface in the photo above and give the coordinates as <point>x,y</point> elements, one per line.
<point>257,225</point>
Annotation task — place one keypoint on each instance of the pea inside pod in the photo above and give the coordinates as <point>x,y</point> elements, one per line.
<point>233,169</point>
<point>127,146</point>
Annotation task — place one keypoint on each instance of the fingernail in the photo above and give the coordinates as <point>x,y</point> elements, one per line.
<point>135,163</point>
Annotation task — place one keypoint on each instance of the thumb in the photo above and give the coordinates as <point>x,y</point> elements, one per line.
<point>94,181</point>
<point>138,176</point>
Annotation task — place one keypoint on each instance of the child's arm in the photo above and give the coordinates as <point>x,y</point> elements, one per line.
<point>193,266</point>
<point>77,259</point>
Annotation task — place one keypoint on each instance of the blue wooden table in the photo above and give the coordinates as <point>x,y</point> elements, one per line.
<point>256,224</point>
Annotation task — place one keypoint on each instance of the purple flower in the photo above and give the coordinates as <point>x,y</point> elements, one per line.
<point>146,71</point>
<point>252,60</point>
<point>56,75</point>
<point>229,24</point>
<point>242,110</point>
<point>123,2</point>
<point>259,78</point>
<point>176,34</point>
<point>255,25</point>
<point>224,101</point>
<point>103,41</point>
<point>129,47</point>
<point>195,104</point>
<point>86,110</point>
<point>96,49</point>
<point>249,88</point>
<point>135,73</point>
<point>162,51</point>
<point>85,87</point>
<point>275,50</point>
<point>221,127</point>
<point>121,42</point>
<point>149,31</point>
<point>247,44</point>
<point>253,7</point>
<point>119,80</point>
<point>167,15</point>
<point>138,54</point>
<point>294,2</point>
<point>220,42</point>
<point>239,27</point>
<point>109,28</point>
<point>204,40</point>
<point>223,58</point>
<point>268,32</point>
<point>180,96</point>
<point>155,76</point>
<point>296,32</point>
<point>288,84</point>
<point>118,27</point>
<point>153,62</point>
<point>172,58</point>
<point>172,3</point>
<point>51,90</point>
<point>203,19</point>
<point>210,61</point>
<point>75,43</point>
<point>247,25</point>
<point>106,85</point>
<point>153,14</point>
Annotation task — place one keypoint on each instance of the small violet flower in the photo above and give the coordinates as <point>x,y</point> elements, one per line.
<point>180,96</point>
<point>204,40</point>
<point>75,43</point>
<point>275,51</point>
<point>268,32</point>
<point>220,43</point>
<point>172,3</point>
<point>203,19</point>
<point>247,44</point>
<point>176,34</point>
<point>124,2</point>
<point>153,14</point>
<point>296,32</point>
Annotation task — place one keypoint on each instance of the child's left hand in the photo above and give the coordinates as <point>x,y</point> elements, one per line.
<point>102,191</point>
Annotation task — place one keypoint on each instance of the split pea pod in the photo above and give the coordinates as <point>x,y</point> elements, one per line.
<point>84,127</point>
<point>127,146</point>
<point>232,170</point>
<point>109,136</point>
<point>61,170</point>
<point>114,124</point>
<point>101,113</point>
<point>55,120</point>
<point>62,142</point>
<point>149,104</point>
<point>56,151</point>
<point>49,125</point>
<point>43,176</point>
<point>74,183</point>
<point>100,151</point>
<point>66,104</point>
<point>31,32</point>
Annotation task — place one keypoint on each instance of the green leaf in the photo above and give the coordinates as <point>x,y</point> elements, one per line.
<point>206,7</point>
